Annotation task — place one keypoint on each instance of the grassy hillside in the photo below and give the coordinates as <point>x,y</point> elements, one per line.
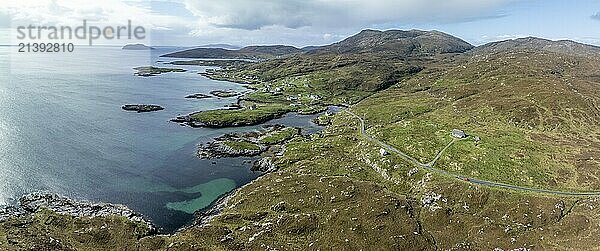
<point>535,111</point>
<point>534,108</point>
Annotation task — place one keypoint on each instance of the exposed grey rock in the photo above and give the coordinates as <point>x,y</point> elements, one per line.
<point>279,207</point>
<point>429,201</point>
<point>412,172</point>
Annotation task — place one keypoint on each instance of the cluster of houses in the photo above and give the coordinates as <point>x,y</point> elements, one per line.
<point>313,97</point>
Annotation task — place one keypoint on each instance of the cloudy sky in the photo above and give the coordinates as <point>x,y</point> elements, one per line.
<point>313,22</point>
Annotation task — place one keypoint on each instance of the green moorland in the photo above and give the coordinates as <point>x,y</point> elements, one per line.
<point>537,129</point>
<point>307,87</point>
<point>535,110</point>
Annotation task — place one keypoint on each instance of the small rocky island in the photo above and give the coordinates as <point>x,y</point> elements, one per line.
<point>137,47</point>
<point>197,96</point>
<point>142,108</point>
<point>150,71</point>
<point>224,93</point>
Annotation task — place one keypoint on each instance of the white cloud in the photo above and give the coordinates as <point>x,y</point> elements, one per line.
<point>243,22</point>
<point>596,16</point>
<point>253,15</point>
<point>73,12</point>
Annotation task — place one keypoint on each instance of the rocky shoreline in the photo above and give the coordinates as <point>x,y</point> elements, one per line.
<point>33,202</point>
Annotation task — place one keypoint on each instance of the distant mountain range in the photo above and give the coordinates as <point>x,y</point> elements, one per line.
<point>392,42</point>
<point>222,46</point>
<point>250,52</point>
<point>403,43</point>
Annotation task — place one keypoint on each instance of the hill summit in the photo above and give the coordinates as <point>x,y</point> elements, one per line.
<point>405,43</point>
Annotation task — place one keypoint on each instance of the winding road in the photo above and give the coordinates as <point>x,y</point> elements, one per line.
<point>430,166</point>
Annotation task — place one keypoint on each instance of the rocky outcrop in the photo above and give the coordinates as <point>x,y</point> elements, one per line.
<point>32,203</point>
<point>264,165</point>
<point>430,201</point>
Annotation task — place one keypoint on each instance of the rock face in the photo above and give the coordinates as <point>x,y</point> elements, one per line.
<point>142,108</point>
<point>31,203</point>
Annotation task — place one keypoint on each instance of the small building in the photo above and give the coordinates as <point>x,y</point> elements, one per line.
<point>459,134</point>
<point>383,152</point>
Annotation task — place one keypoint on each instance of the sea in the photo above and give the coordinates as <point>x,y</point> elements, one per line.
<point>62,130</point>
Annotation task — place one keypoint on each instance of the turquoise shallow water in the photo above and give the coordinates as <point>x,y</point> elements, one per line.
<point>62,130</point>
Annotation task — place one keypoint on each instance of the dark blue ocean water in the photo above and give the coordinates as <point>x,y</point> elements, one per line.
<point>62,130</point>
